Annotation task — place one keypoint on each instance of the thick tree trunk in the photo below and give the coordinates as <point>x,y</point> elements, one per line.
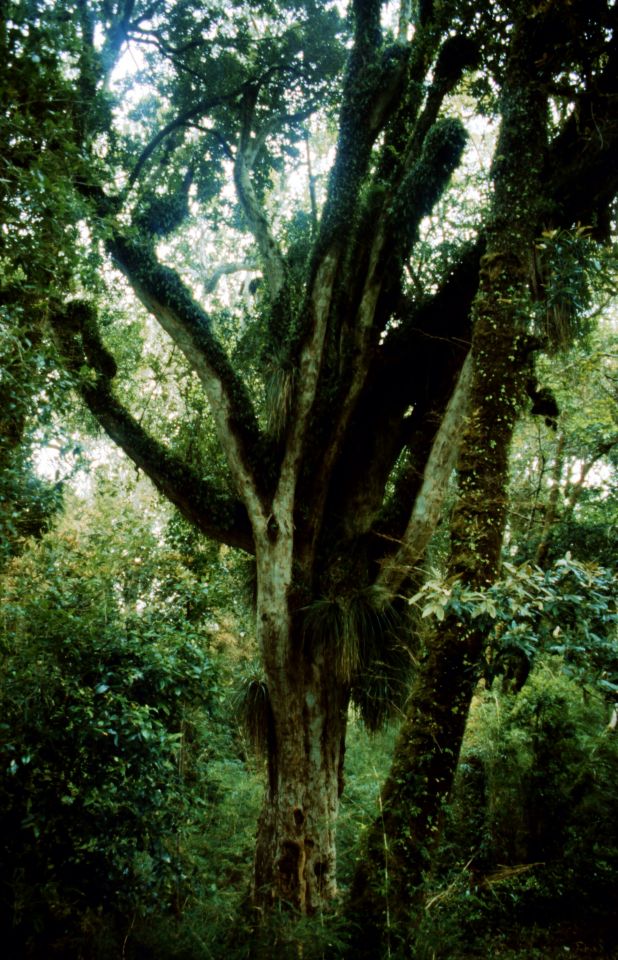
<point>295,861</point>
<point>387,888</point>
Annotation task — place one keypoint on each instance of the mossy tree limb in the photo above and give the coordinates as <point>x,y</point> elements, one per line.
<point>211,510</point>
<point>387,889</point>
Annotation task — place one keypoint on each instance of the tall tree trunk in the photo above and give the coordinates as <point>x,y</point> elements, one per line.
<point>387,888</point>
<point>295,861</point>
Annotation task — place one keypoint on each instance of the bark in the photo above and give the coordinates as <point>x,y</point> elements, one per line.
<point>387,888</point>
<point>295,861</point>
<point>432,494</point>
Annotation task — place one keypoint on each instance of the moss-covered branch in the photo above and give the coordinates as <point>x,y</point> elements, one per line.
<point>162,292</point>
<point>270,255</point>
<point>373,83</point>
<point>212,511</point>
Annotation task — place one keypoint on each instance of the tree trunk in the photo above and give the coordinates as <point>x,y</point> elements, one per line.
<point>387,887</point>
<point>551,510</point>
<point>295,861</point>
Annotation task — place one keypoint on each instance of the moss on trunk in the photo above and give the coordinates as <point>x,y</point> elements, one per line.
<point>295,862</point>
<point>387,889</point>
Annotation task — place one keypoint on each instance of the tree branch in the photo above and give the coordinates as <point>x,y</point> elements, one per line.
<point>223,269</point>
<point>574,490</point>
<point>213,512</point>
<point>431,496</point>
<point>183,120</point>
<point>404,20</point>
<point>248,147</point>
<point>116,34</point>
<point>581,169</point>
<point>416,367</point>
<point>162,292</point>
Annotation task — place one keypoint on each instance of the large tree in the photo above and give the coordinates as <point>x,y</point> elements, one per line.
<point>338,392</point>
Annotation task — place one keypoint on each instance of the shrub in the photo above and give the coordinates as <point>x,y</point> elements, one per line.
<point>532,838</point>
<point>96,706</point>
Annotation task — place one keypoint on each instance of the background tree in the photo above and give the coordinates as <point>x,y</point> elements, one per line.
<point>564,482</point>
<point>327,432</point>
<point>37,255</point>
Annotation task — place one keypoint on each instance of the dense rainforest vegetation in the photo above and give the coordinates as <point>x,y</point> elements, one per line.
<point>308,452</point>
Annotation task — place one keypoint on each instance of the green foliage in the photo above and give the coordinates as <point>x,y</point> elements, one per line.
<point>367,638</point>
<point>254,712</point>
<point>368,755</point>
<point>571,271</point>
<point>292,61</point>
<point>27,506</point>
<point>104,647</point>
<point>29,396</point>
<point>216,843</point>
<point>531,846</point>
<point>103,704</point>
<point>563,484</point>
<point>568,610</point>
<point>40,251</point>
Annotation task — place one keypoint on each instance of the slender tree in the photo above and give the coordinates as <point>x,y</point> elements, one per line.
<point>338,435</point>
